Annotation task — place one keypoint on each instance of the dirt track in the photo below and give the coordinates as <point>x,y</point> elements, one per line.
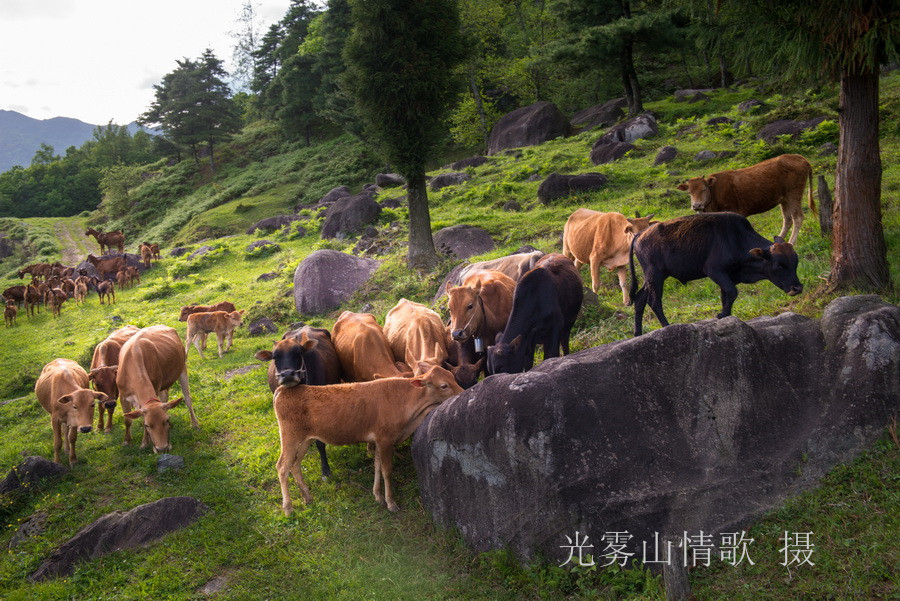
<point>74,250</point>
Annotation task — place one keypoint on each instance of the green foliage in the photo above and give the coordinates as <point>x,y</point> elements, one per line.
<point>184,266</point>
<point>826,131</point>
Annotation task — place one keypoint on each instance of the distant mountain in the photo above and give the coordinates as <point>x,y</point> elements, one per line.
<point>21,136</point>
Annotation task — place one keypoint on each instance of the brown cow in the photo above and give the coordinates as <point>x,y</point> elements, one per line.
<point>62,390</point>
<point>602,240</point>
<point>222,323</point>
<point>107,240</point>
<point>154,250</point>
<point>189,309</point>
<point>480,307</point>
<point>37,270</point>
<point>146,254</point>
<point>15,293</point>
<point>106,289</point>
<point>384,412</point>
<point>515,266</point>
<point>122,279</point>
<point>415,334</point>
<point>362,348</point>
<point>105,367</point>
<point>34,298</point>
<point>56,297</point>
<point>105,267</point>
<point>9,313</point>
<point>81,290</point>
<point>149,363</point>
<point>757,189</point>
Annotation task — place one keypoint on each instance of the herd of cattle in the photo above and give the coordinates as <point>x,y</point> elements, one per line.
<point>363,382</point>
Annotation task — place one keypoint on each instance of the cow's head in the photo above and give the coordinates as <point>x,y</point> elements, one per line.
<point>506,358</point>
<point>104,379</point>
<point>638,224</point>
<point>466,374</point>
<point>236,318</point>
<point>185,311</point>
<point>287,354</point>
<point>466,311</point>
<point>779,262</point>
<point>78,408</point>
<point>439,384</point>
<point>700,190</point>
<point>155,416</point>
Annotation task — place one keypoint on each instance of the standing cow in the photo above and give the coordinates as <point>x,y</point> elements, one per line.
<point>757,189</point>
<point>720,246</point>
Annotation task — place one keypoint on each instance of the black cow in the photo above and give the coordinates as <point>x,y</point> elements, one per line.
<point>721,246</point>
<point>545,304</point>
<point>304,356</point>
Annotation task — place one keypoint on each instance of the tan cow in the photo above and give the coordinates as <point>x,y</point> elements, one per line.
<point>104,368</point>
<point>222,323</point>
<point>108,266</point>
<point>480,307</point>
<point>416,334</point>
<point>362,348</point>
<point>62,390</point>
<point>106,289</point>
<point>189,309</point>
<point>150,362</point>
<point>56,297</point>
<point>146,254</point>
<point>602,240</point>
<point>382,412</point>
<point>756,189</point>
<point>9,313</point>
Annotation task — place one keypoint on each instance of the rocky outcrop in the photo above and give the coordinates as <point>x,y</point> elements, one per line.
<point>121,530</point>
<point>607,152</point>
<point>561,186</point>
<point>528,126</point>
<point>349,215</point>
<point>463,241</point>
<point>602,115</point>
<point>271,224</point>
<point>27,474</point>
<point>642,126</point>
<point>448,179</point>
<point>702,426</point>
<point>326,278</point>
<point>787,127</point>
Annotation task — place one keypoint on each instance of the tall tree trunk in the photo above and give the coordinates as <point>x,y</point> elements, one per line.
<point>212,162</point>
<point>629,76</point>
<point>421,253</point>
<point>858,251</point>
<point>479,105</point>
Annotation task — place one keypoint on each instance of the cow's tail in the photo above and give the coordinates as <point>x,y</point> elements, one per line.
<point>812,203</point>
<point>634,286</point>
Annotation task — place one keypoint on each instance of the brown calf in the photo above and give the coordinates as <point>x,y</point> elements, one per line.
<point>62,390</point>
<point>189,309</point>
<point>9,314</point>
<point>222,323</point>
<point>384,412</point>
<point>105,368</point>
<point>106,289</point>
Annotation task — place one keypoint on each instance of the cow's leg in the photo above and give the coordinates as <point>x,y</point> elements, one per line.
<point>109,419</point>
<point>654,286</point>
<point>623,279</point>
<point>100,410</point>
<point>595,274</point>
<point>640,301</point>
<point>196,342</point>
<point>57,440</point>
<point>326,471</point>
<point>384,460</point>
<point>186,393</point>
<point>220,341</point>
<point>785,219</point>
<point>289,463</point>
<point>728,289</point>
<point>798,222</point>
<point>72,436</point>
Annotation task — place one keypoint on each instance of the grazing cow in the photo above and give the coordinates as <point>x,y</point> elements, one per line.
<point>384,412</point>
<point>480,307</point>
<point>304,356</point>
<point>81,290</point>
<point>146,254</point>
<point>757,189</point>
<point>36,270</point>
<point>602,240</point>
<point>416,334</point>
<point>189,309</point>
<point>104,368</point>
<point>720,246</point>
<point>514,266</point>
<point>362,348</point>
<point>149,363</point>
<point>107,267</point>
<point>545,306</point>
<point>62,390</point>
<point>107,240</point>
<point>106,289</point>
<point>15,293</point>
<point>222,323</point>
<point>9,313</point>
<point>460,361</point>
<point>33,299</point>
<point>56,298</point>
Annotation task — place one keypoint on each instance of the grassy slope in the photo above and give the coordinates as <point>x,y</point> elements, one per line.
<point>344,546</point>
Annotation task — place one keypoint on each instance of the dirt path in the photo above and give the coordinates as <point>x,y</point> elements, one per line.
<point>74,250</point>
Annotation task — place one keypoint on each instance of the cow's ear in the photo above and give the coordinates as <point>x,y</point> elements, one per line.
<point>516,341</point>
<point>64,399</point>
<point>760,253</point>
<point>425,367</point>
<point>629,229</point>
<point>650,216</point>
<point>711,181</point>
<point>171,404</point>
<point>477,286</point>
<point>779,240</point>
<point>309,344</point>
<point>263,355</point>
<point>100,397</point>
<point>133,414</point>
<point>682,187</point>
<point>417,382</point>
<point>480,363</point>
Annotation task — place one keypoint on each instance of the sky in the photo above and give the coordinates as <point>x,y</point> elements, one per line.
<point>97,60</point>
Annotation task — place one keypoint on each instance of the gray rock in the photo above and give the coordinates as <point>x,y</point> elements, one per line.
<point>178,251</point>
<point>389,180</point>
<point>702,426</point>
<point>392,203</point>
<point>719,121</point>
<point>200,251</point>
<point>261,326</point>
<point>528,126</point>
<point>463,241</point>
<point>31,527</point>
<point>335,194</point>
<point>476,161</point>
<point>448,179</point>
<point>271,224</point>
<point>688,94</point>
<point>607,152</point>
<point>642,126</point>
<point>166,462</point>
<point>666,154</point>
<point>261,243</point>
<point>350,214</point>
<point>705,155</point>
<point>121,530</point>
<point>29,473</point>
<point>750,105</point>
<point>265,277</point>
<point>787,127</point>
<point>512,206</point>
<point>601,115</point>
<point>326,278</point>
<point>214,586</point>
<point>557,186</point>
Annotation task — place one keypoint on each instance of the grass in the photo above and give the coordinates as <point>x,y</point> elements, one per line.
<point>344,546</point>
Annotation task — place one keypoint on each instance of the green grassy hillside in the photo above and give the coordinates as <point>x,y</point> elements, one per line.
<point>344,546</point>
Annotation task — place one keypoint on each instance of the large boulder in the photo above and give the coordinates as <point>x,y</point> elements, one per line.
<point>448,179</point>
<point>350,214</point>
<point>334,195</point>
<point>131,260</point>
<point>557,186</point>
<point>602,115</point>
<point>326,278</point>
<point>463,241</point>
<point>608,152</point>
<point>271,224</point>
<point>787,127</point>
<point>476,161</point>
<point>528,126</point>
<point>121,530</point>
<point>642,126</point>
<point>702,426</point>
<point>27,474</point>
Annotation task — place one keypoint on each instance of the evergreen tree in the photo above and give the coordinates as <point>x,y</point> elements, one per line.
<point>401,58</point>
